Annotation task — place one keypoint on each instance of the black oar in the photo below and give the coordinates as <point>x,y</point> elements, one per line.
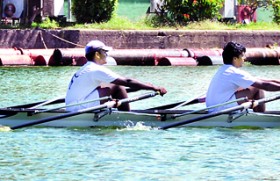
<point>109,104</point>
<point>179,104</point>
<point>47,102</point>
<point>210,107</point>
<point>246,105</point>
<point>71,105</point>
<point>61,100</point>
<point>200,97</point>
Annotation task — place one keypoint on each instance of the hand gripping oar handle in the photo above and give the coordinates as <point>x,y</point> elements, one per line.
<point>109,104</point>
<point>246,105</point>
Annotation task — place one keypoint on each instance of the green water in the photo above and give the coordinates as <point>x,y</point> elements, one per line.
<point>133,153</point>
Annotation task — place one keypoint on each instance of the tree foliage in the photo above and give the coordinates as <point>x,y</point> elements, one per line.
<point>93,11</point>
<point>276,10</point>
<point>185,11</point>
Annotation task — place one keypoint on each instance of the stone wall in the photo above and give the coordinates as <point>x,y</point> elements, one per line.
<point>156,39</point>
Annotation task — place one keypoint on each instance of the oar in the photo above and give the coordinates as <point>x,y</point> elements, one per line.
<point>61,100</point>
<point>129,90</point>
<point>109,104</point>
<point>46,102</point>
<point>180,104</point>
<point>210,107</point>
<point>246,105</point>
<point>71,105</point>
<point>188,101</point>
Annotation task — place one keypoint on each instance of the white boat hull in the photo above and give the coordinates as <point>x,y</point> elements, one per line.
<point>124,119</point>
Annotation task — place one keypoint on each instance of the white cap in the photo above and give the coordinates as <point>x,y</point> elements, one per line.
<point>95,45</point>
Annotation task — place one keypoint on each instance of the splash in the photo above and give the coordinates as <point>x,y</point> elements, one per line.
<point>138,126</point>
<point>5,128</point>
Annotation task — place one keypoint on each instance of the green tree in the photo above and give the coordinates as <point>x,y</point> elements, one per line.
<point>184,11</point>
<point>93,11</point>
<point>276,10</point>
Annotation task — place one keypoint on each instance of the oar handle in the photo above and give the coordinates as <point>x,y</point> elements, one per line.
<point>144,96</point>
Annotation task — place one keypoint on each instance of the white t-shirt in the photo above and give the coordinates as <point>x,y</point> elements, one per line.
<point>224,84</point>
<point>84,82</point>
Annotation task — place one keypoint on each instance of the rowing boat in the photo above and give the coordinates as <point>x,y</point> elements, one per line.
<point>162,117</point>
<point>154,118</point>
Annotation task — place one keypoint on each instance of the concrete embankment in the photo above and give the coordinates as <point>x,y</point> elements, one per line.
<point>131,39</point>
<point>156,47</point>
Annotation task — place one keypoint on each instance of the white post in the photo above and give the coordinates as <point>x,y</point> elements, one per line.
<point>58,7</point>
<point>154,5</point>
<point>229,9</point>
<point>69,10</point>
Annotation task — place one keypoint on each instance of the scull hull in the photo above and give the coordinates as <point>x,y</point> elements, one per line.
<point>125,119</point>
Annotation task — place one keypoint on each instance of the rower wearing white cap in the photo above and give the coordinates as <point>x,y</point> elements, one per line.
<point>93,81</point>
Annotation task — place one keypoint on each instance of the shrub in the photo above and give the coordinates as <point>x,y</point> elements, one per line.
<point>93,11</point>
<point>276,10</point>
<point>185,11</point>
<point>46,24</point>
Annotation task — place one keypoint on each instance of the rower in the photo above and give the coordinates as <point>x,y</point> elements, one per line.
<point>231,83</point>
<point>93,80</point>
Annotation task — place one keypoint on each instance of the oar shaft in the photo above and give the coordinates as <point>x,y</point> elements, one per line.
<point>109,104</point>
<point>36,103</point>
<point>195,119</point>
<point>46,102</point>
<point>186,102</point>
<point>144,96</point>
<point>210,107</point>
<point>71,105</point>
<point>246,105</point>
<point>40,121</point>
<point>265,100</point>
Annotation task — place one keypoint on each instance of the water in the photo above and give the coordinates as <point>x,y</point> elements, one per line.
<point>133,153</point>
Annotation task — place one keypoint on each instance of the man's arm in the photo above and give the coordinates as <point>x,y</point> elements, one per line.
<point>135,84</point>
<point>267,85</point>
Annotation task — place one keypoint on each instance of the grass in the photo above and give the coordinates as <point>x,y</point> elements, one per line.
<point>116,23</point>
<point>208,25</point>
<point>121,23</point>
